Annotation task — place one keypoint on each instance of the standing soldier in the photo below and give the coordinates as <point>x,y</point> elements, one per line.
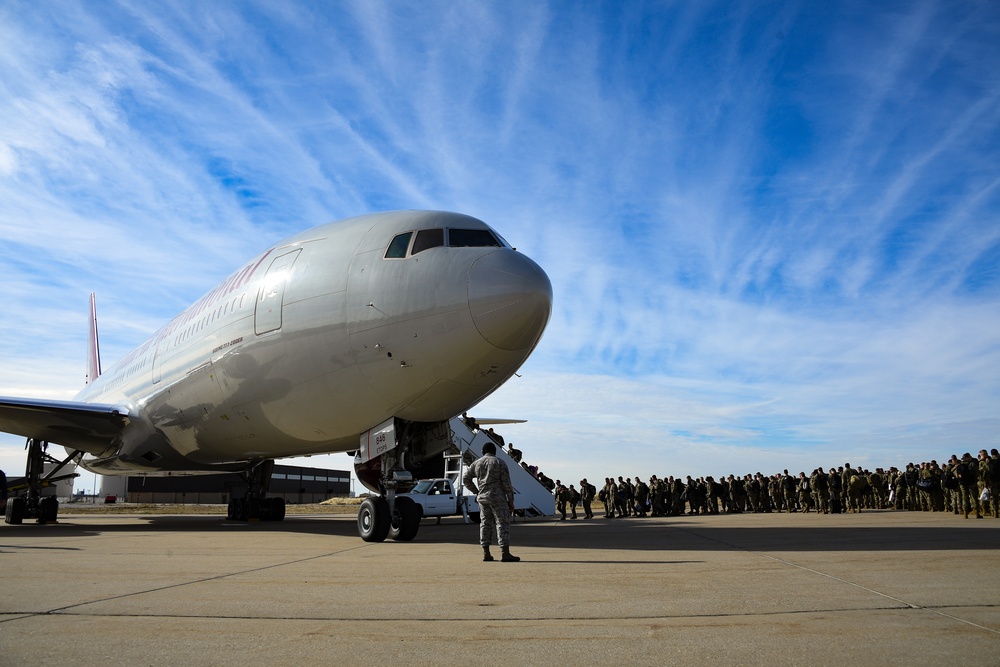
<point>738,493</point>
<point>836,489</point>
<point>875,481</point>
<point>788,487</point>
<point>641,502</point>
<point>774,487</point>
<point>713,495</point>
<point>901,492</point>
<point>610,491</point>
<point>562,497</point>
<point>950,484</point>
<point>751,485</point>
<point>656,496</point>
<point>937,488</point>
<point>587,491</point>
<point>765,495</point>
<point>573,498</point>
<point>495,496</point>
<point>821,490</point>
<point>967,472</point>
<point>993,483</point>
<point>805,492</point>
<point>677,497</point>
<point>625,497</point>
<point>691,493</point>
<point>912,492</point>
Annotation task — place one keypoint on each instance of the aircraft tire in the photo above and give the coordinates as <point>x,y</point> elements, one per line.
<point>272,509</point>
<point>373,519</point>
<point>15,511</point>
<point>277,509</point>
<point>405,520</point>
<point>234,510</point>
<point>48,510</point>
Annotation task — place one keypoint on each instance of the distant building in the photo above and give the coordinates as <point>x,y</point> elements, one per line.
<point>60,489</point>
<point>297,485</point>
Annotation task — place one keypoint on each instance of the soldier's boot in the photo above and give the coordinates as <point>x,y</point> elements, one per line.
<point>487,556</point>
<point>966,514</point>
<point>507,557</point>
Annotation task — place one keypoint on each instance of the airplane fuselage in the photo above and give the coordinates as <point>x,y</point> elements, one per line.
<point>323,336</point>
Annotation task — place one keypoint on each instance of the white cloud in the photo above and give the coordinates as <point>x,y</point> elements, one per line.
<point>729,288</point>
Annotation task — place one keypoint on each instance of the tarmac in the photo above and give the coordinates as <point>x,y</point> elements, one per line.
<point>885,588</point>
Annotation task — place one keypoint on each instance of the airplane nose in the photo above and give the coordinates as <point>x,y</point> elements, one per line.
<point>510,298</point>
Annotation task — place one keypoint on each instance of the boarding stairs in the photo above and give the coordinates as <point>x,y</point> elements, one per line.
<point>531,498</point>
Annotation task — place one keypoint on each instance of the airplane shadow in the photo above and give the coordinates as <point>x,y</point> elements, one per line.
<point>664,534</point>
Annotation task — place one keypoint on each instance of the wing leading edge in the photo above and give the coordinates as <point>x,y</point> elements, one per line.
<point>91,427</point>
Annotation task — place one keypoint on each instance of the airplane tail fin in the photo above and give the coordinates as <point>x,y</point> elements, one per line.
<point>93,349</point>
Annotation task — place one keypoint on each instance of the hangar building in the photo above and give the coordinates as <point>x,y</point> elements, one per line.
<point>297,485</point>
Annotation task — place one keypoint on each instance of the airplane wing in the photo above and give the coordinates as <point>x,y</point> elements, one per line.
<point>87,426</point>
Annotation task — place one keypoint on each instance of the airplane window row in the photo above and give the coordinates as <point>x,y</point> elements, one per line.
<point>426,239</point>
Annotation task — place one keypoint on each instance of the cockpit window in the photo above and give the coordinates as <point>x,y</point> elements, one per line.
<point>397,247</point>
<point>426,239</point>
<point>472,238</point>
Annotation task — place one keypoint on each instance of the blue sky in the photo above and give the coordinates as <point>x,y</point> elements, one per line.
<point>772,229</point>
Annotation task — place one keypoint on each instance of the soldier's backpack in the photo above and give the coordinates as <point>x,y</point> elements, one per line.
<point>966,473</point>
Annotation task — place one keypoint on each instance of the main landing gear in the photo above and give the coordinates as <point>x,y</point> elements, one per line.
<point>375,522</point>
<point>386,515</point>
<point>33,505</point>
<point>256,506</point>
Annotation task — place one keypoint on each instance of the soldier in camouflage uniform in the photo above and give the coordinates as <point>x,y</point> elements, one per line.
<point>805,492</point>
<point>788,487</point>
<point>878,495</point>
<point>677,497</point>
<point>967,472</point>
<point>752,488</point>
<point>901,493</point>
<point>609,491</point>
<point>774,488</point>
<point>587,491</point>
<point>640,497</point>
<point>495,496</point>
<point>835,487</point>
<point>992,480</point>
<point>821,490</point>
<point>912,492</point>
<point>950,484</point>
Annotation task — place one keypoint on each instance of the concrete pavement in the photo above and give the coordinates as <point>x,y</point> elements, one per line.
<point>887,588</point>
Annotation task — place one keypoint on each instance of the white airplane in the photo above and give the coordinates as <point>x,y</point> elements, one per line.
<point>369,333</point>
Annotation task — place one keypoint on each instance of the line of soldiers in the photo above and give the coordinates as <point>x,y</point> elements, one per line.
<point>962,485</point>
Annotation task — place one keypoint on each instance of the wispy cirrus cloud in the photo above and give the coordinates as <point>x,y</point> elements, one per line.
<point>772,231</point>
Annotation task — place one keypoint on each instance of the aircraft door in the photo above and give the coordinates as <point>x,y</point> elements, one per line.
<point>267,314</point>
